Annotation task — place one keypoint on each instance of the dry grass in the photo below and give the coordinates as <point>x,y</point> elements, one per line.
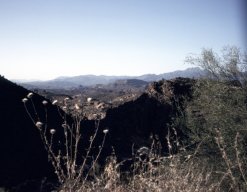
<point>184,172</point>
<point>169,174</point>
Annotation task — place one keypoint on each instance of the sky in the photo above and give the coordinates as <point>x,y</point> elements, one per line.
<point>50,38</point>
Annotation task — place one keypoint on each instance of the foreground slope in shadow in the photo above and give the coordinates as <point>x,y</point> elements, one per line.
<point>23,159</point>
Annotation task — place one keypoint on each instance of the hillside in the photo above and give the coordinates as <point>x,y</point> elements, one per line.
<point>23,161</point>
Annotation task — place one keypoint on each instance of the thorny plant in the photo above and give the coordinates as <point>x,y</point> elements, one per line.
<point>64,157</point>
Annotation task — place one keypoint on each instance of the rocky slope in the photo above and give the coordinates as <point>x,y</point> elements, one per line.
<point>133,124</point>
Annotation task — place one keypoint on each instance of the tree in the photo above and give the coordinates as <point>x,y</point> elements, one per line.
<point>231,65</point>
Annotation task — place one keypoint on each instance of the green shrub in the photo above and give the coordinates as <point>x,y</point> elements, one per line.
<point>217,116</point>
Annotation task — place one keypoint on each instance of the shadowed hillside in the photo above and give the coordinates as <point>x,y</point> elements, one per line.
<point>23,160</point>
<point>133,124</point>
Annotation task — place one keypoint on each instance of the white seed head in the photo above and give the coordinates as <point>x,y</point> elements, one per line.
<point>66,99</point>
<point>39,124</point>
<point>24,100</point>
<point>54,102</point>
<point>44,102</point>
<point>52,131</point>
<point>105,131</point>
<point>30,95</point>
<point>64,107</point>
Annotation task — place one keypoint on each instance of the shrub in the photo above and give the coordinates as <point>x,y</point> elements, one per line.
<point>218,115</point>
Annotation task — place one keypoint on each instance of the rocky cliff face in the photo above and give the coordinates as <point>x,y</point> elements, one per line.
<point>134,124</point>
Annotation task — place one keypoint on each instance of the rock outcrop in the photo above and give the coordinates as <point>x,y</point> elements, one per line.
<point>132,124</point>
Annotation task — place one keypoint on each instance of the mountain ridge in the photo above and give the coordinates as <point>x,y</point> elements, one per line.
<point>92,80</point>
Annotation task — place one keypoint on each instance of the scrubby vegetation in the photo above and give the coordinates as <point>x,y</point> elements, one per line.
<point>214,157</point>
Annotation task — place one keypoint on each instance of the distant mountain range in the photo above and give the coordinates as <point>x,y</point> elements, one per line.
<point>92,80</point>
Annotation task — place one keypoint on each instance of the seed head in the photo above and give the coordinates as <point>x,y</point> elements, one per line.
<point>30,95</point>
<point>39,124</point>
<point>52,131</point>
<point>105,131</point>
<point>24,100</point>
<point>44,102</point>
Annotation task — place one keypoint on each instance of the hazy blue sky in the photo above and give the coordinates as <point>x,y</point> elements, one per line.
<point>43,39</point>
